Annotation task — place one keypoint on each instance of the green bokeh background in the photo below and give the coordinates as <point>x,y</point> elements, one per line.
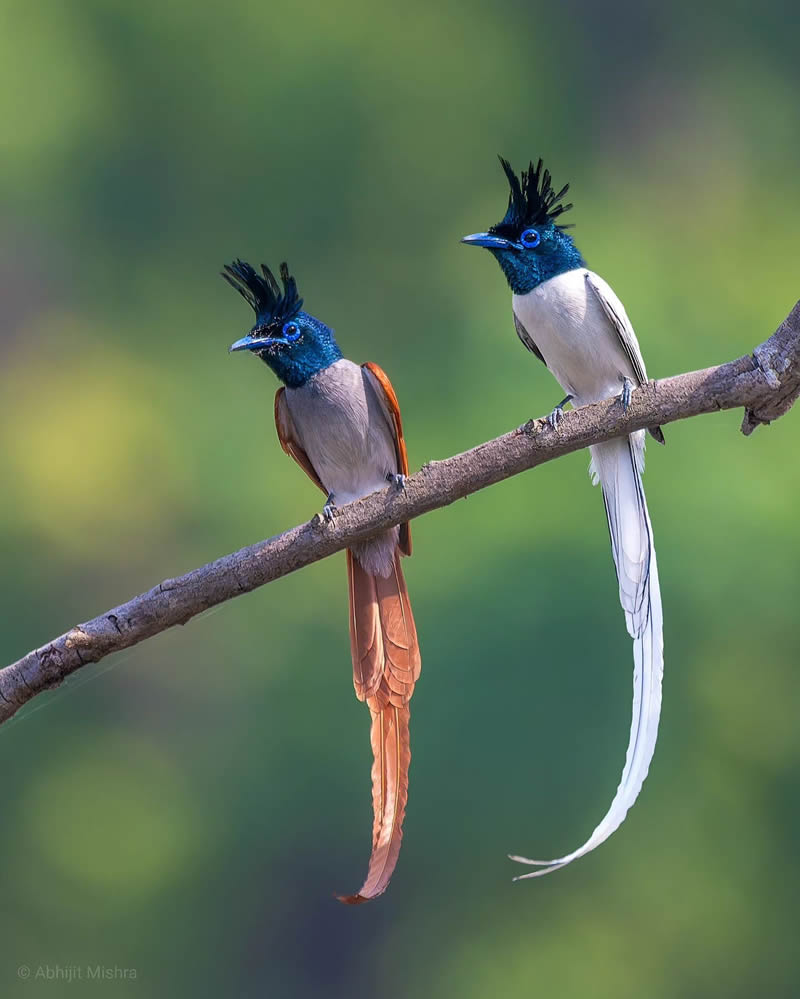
<point>191,810</point>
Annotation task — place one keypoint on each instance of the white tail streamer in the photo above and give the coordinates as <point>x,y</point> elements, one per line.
<point>617,465</point>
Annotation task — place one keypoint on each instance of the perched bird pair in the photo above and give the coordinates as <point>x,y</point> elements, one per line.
<point>341,423</point>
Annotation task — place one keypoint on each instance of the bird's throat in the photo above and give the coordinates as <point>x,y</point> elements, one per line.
<point>526,271</point>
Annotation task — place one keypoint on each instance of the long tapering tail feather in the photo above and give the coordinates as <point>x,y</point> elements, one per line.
<point>386,665</point>
<point>618,466</point>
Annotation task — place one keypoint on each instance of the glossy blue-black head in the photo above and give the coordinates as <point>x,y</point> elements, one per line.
<point>293,343</point>
<point>528,243</point>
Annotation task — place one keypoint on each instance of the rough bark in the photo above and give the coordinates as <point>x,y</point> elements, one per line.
<point>765,383</point>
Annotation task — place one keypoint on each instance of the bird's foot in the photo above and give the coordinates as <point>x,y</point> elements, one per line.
<point>397,479</point>
<point>625,395</point>
<point>327,510</point>
<point>554,418</point>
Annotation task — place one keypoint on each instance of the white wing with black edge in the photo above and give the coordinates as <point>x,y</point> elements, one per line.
<point>618,317</point>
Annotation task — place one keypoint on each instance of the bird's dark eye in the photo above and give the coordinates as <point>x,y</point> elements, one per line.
<point>291,331</point>
<point>530,238</point>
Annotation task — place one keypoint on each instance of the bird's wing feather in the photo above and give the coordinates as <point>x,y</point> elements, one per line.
<point>617,465</point>
<point>527,339</point>
<point>287,435</point>
<point>618,317</point>
<point>380,383</point>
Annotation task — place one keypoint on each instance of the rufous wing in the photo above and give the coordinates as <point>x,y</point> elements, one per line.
<point>287,435</point>
<point>388,397</point>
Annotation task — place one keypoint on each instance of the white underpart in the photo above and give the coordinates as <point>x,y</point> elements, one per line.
<point>584,350</point>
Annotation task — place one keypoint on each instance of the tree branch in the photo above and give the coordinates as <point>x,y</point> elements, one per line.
<point>765,383</point>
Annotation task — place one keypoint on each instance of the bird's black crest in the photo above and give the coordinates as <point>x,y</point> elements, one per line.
<point>263,294</point>
<point>532,201</point>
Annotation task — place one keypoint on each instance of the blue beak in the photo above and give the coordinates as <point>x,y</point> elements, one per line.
<point>489,241</point>
<point>249,342</point>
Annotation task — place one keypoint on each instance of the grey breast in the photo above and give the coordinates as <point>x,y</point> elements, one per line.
<point>344,430</point>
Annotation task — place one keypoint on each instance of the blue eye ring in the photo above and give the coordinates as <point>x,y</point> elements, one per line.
<point>291,331</point>
<point>530,238</point>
